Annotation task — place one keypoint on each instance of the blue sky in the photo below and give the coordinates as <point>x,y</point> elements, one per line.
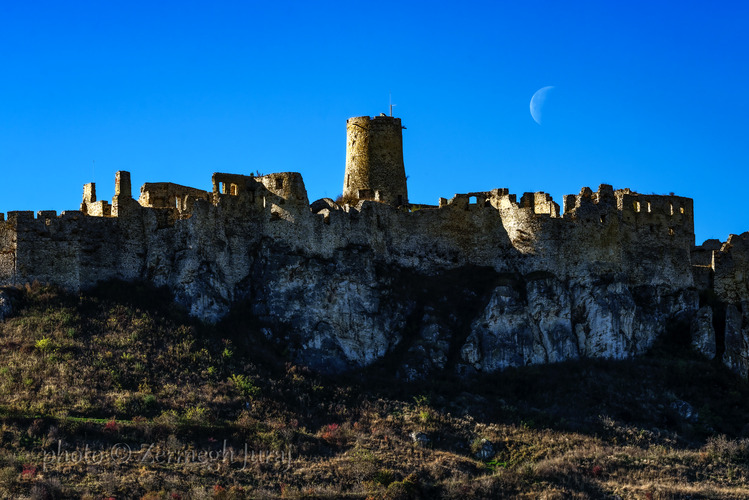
<point>648,95</point>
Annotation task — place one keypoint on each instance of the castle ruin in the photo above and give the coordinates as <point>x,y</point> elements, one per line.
<point>602,277</point>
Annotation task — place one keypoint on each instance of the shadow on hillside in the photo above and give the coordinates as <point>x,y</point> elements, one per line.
<point>670,391</point>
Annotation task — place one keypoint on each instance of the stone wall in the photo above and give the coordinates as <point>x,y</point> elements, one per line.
<point>731,268</point>
<point>597,234</point>
<point>169,195</point>
<point>72,250</point>
<point>7,252</point>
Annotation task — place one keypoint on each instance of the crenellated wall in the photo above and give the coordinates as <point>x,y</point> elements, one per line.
<point>605,231</point>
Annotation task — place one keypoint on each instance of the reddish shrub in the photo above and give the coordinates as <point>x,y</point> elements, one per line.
<point>29,471</point>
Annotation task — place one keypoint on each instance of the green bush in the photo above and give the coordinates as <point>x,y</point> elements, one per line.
<point>44,345</point>
<point>244,386</point>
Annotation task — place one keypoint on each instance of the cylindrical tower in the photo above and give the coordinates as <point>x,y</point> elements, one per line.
<point>374,160</point>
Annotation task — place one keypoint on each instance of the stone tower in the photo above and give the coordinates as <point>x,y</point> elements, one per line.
<point>374,160</point>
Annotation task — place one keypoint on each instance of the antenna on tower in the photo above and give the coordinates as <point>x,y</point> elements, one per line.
<point>391,104</point>
<point>93,171</point>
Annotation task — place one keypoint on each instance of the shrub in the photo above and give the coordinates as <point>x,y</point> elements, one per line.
<point>28,471</point>
<point>723,449</point>
<point>244,386</point>
<point>402,490</point>
<point>384,477</point>
<point>43,345</point>
<point>47,490</point>
<point>196,415</point>
<point>149,402</point>
<point>111,426</point>
<point>333,434</point>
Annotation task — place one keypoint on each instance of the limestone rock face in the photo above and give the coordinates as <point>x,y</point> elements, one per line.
<point>6,308</point>
<point>703,332</point>
<point>736,355</point>
<point>550,320</point>
<point>516,330</point>
<point>430,350</point>
<point>332,314</point>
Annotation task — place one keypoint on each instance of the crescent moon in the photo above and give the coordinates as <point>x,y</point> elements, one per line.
<point>537,103</point>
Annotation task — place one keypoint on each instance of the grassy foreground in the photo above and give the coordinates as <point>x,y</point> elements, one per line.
<point>118,394</point>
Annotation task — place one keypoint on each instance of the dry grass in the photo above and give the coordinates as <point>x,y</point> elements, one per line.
<point>120,367</point>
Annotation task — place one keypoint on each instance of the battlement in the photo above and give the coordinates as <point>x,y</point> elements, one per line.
<point>613,223</point>
<point>670,213</point>
<point>662,214</point>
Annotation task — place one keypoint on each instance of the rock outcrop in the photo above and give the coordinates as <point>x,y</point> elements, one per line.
<point>6,307</point>
<point>546,320</point>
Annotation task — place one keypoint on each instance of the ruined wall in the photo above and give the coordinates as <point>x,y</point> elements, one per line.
<point>703,262</point>
<point>89,204</point>
<point>71,250</point>
<point>731,268</point>
<point>721,273</point>
<point>7,252</point>
<point>170,195</point>
<point>541,203</point>
<point>233,184</point>
<point>288,186</point>
<point>374,160</point>
<point>598,233</point>
<point>730,279</point>
<point>273,196</point>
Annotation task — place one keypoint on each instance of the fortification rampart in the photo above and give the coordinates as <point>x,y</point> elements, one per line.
<point>602,230</point>
<point>647,237</point>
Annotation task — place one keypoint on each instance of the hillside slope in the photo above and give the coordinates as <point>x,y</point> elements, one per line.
<point>114,393</point>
